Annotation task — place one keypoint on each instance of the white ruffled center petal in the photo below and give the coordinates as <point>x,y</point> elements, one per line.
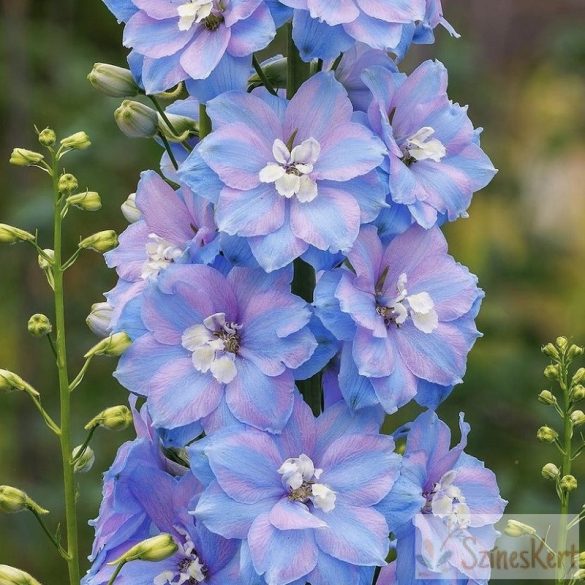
<point>160,253</point>
<point>420,146</point>
<point>193,11</point>
<point>447,502</point>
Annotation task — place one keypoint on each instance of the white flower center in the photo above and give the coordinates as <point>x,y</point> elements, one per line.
<point>190,569</point>
<point>447,502</point>
<point>193,11</point>
<point>420,146</point>
<point>160,254</point>
<point>214,345</point>
<point>291,173</point>
<point>420,307</point>
<point>300,477</point>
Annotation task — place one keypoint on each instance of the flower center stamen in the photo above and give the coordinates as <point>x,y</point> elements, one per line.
<point>446,501</point>
<point>420,146</point>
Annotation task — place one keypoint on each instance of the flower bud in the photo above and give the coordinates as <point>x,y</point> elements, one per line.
<point>550,471</point>
<point>578,417</point>
<point>12,576</point>
<point>43,262</point>
<point>77,141</point>
<point>574,351</point>
<point>39,325</point>
<point>88,201</point>
<point>547,397</point>
<point>568,483</point>
<point>13,500</point>
<point>113,81</point>
<point>562,343</point>
<point>10,235</point>
<point>129,209</point>
<point>113,346</point>
<point>136,120</point>
<point>515,528</point>
<point>67,183</point>
<point>552,372</point>
<point>10,381</point>
<point>550,350</point>
<point>85,462</point>
<point>578,376</point>
<point>47,137</point>
<point>115,418</point>
<point>99,320</point>
<point>580,574</point>
<point>100,241</point>
<point>546,434</point>
<point>274,70</point>
<point>21,157</point>
<point>156,548</point>
<point>181,124</point>
<point>577,393</point>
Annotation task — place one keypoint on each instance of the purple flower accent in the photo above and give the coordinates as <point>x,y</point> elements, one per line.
<point>449,497</point>
<point>290,175</point>
<point>190,39</point>
<point>405,315</point>
<point>219,349</point>
<point>435,162</point>
<point>304,503</point>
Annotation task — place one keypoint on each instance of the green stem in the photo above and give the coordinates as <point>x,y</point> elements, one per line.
<point>298,70</point>
<point>65,397</point>
<point>78,379</point>
<point>56,544</point>
<point>204,122</point>
<point>163,115</point>
<point>84,447</point>
<point>169,150</point>
<point>116,572</point>
<point>262,76</point>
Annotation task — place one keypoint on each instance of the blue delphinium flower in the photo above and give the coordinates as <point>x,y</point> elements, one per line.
<point>289,175</point>
<point>405,314</point>
<point>435,162</point>
<point>190,39</point>
<point>450,499</point>
<point>303,502</point>
<point>219,346</point>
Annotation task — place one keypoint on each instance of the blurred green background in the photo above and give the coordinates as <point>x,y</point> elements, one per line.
<point>519,64</point>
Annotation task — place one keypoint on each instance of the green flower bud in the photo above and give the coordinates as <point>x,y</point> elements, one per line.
<point>88,201</point>
<point>115,418</point>
<point>77,141</point>
<point>10,235</point>
<point>85,462</point>
<point>10,381</point>
<point>182,124</point>
<point>562,343</point>
<point>47,137</point>
<point>577,393</point>
<point>515,528</point>
<point>136,120</point>
<point>578,376</point>
<point>578,417</point>
<point>100,242</point>
<point>67,183</point>
<point>13,500</point>
<point>39,325</point>
<point>552,372</point>
<point>21,157</point>
<point>100,318</point>
<point>274,70</point>
<point>43,262</point>
<point>113,346</point>
<point>550,350</point>
<point>129,209</point>
<point>568,483</point>
<point>113,81</point>
<point>550,471</point>
<point>546,434</point>
<point>156,548</point>
<point>12,576</point>
<point>547,397</point>
<point>574,351</point>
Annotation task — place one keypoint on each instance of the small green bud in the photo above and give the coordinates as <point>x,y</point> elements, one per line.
<point>67,183</point>
<point>113,81</point>
<point>550,350</point>
<point>547,397</point>
<point>546,434</point>
<point>43,262</point>
<point>574,351</point>
<point>88,201</point>
<point>550,471</point>
<point>129,209</point>
<point>115,418</point>
<point>578,376</point>
<point>13,500</point>
<point>39,325</point>
<point>21,157</point>
<point>578,417</point>
<point>47,137</point>
<point>515,528</point>
<point>552,372</point>
<point>113,346</point>
<point>568,483</point>
<point>10,235</point>
<point>77,141</point>
<point>562,343</point>
<point>12,576</point>
<point>10,381</point>
<point>136,120</point>
<point>100,242</point>
<point>156,548</point>
<point>100,318</point>
<point>85,462</point>
<point>578,393</point>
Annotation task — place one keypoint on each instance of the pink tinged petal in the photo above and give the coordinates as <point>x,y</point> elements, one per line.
<point>240,10</point>
<point>300,433</point>
<point>355,535</point>
<point>203,54</point>
<point>262,401</point>
<point>405,11</point>
<point>365,257</point>
<point>374,32</point>
<point>130,255</point>
<point>250,213</point>
<point>290,515</point>
<point>157,9</point>
<point>333,13</point>
<point>281,556</point>
<point>237,153</point>
<point>154,38</point>
<point>252,34</point>
<point>374,356</point>
<point>331,221</point>
<point>320,104</point>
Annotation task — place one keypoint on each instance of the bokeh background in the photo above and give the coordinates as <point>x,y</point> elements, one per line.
<point>520,65</point>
